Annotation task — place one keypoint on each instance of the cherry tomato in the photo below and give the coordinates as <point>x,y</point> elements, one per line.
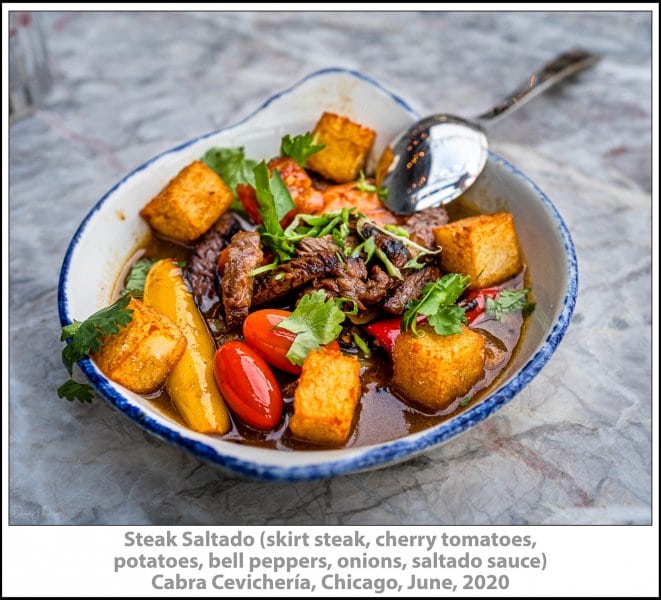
<point>247,385</point>
<point>268,340</point>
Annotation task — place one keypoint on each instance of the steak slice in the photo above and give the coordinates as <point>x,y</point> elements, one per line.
<point>291,275</point>
<point>420,225</point>
<point>244,255</point>
<point>350,281</point>
<point>410,288</point>
<point>392,248</point>
<point>322,245</point>
<point>202,269</point>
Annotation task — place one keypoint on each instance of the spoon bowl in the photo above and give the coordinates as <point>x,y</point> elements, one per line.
<point>439,157</point>
<point>433,162</point>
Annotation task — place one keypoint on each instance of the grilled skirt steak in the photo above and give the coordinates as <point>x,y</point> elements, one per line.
<point>410,288</point>
<point>202,270</point>
<point>244,255</point>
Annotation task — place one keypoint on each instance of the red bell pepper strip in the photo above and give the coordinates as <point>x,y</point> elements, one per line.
<point>475,302</point>
<point>385,332</point>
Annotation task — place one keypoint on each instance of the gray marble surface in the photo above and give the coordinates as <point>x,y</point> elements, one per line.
<point>574,447</point>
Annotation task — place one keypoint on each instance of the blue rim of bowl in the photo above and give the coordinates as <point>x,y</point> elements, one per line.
<point>371,456</point>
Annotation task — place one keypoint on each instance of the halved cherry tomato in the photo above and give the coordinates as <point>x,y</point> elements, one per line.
<point>261,331</point>
<point>475,302</point>
<point>247,385</point>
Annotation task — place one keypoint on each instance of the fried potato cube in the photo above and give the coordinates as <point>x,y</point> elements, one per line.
<point>189,204</point>
<point>484,247</point>
<point>326,397</point>
<point>433,370</point>
<point>141,356</point>
<point>347,146</point>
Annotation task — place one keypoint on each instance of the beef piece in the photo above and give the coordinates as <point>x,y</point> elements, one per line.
<point>420,225</point>
<point>410,288</point>
<point>202,270</point>
<point>322,245</point>
<point>392,248</point>
<point>350,281</point>
<point>243,255</point>
<point>378,286</point>
<point>291,275</point>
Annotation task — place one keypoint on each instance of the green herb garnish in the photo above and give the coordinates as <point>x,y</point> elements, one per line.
<point>316,321</point>
<point>437,303</point>
<point>274,203</point>
<point>134,283</point>
<point>85,337</point>
<point>361,344</point>
<point>231,165</point>
<point>300,147</point>
<point>363,186</point>
<point>465,401</point>
<point>508,300</point>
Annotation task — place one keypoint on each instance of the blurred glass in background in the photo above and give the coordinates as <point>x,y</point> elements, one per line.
<point>29,72</point>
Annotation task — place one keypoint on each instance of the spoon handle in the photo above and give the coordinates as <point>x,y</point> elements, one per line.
<point>559,68</point>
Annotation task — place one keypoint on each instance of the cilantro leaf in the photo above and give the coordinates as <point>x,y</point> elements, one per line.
<point>134,283</point>
<point>447,320</point>
<point>363,186</point>
<point>438,305</point>
<point>274,203</point>
<point>72,390</point>
<point>315,321</point>
<point>86,337</point>
<point>508,300</point>
<point>70,330</point>
<point>231,165</point>
<point>300,147</point>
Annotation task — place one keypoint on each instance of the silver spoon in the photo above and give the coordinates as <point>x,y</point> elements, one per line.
<point>439,157</point>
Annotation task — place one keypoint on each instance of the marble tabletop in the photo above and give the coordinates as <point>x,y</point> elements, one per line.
<point>573,447</point>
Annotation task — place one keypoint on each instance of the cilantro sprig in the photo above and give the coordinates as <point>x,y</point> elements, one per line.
<point>300,147</point>
<point>274,202</point>
<point>86,337</point>
<point>135,280</point>
<point>508,300</point>
<point>316,321</point>
<point>231,165</point>
<point>438,304</point>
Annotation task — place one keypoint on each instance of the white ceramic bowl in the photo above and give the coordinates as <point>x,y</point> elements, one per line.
<point>113,228</point>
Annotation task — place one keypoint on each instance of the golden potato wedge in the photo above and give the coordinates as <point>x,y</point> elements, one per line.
<point>191,384</point>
